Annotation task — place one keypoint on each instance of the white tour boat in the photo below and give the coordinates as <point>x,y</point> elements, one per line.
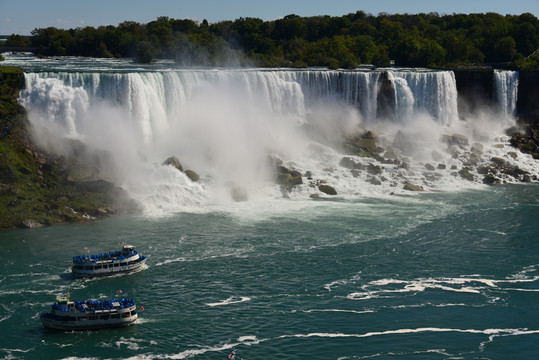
<point>90,314</point>
<point>125,260</point>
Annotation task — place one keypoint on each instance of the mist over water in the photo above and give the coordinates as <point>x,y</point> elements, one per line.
<point>225,123</point>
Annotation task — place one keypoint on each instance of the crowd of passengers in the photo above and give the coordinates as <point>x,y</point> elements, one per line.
<point>111,255</point>
<point>96,305</point>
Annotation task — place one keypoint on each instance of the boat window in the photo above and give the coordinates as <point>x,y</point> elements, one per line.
<point>115,316</point>
<point>133,313</point>
<point>125,314</point>
<point>97,267</point>
<point>93,317</point>
<point>90,267</point>
<point>82,318</point>
<point>105,317</point>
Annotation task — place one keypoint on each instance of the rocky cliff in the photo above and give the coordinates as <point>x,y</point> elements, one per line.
<point>38,188</point>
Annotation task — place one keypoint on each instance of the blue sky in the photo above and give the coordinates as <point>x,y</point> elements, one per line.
<point>22,16</point>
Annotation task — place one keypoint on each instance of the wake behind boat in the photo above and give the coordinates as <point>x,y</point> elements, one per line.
<point>125,260</point>
<point>90,314</point>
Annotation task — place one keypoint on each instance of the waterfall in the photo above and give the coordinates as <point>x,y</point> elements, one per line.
<point>224,123</point>
<point>506,91</point>
<point>432,92</point>
<point>149,99</point>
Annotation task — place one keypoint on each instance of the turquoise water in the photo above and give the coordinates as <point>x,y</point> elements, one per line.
<point>432,276</point>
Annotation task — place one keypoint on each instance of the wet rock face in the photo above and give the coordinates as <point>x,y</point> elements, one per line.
<point>526,139</point>
<point>475,89</point>
<point>528,93</point>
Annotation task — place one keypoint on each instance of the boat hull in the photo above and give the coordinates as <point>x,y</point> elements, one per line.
<point>78,326</point>
<point>109,270</point>
<point>77,321</point>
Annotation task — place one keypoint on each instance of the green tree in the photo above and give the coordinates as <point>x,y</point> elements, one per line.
<point>381,57</point>
<point>18,40</point>
<point>505,49</point>
<point>145,52</point>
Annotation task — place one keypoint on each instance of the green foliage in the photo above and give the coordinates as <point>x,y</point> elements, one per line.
<point>338,42</point>
<point>145,52</point>
<point>529,63</point>
<point>17,40</point>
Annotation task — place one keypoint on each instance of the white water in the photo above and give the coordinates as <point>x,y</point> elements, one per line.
<point>224,123</point>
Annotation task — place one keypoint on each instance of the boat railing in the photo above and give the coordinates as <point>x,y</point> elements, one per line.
<point>92,305</point>
<point>112,255</point>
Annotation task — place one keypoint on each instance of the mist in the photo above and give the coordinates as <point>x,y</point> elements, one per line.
<point>226,124</point>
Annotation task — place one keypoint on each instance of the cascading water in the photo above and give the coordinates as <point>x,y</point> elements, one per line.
<point>431,92</point>
<point>224,123</point>
<point>506,91</point>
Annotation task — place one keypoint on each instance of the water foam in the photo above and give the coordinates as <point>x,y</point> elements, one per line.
<point>230,300</point>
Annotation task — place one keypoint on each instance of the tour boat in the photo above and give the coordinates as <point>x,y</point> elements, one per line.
<point>125,260</point>
<point>89,314</point>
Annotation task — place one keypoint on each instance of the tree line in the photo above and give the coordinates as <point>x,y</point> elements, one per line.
<point>419,40</point>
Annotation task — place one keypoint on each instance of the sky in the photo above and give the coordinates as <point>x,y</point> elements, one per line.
<point>22,16</point>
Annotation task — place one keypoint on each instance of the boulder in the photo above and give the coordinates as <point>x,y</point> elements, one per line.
<point>238,194</point>
<point>361,143</point>
<point>173,161</point>
<point>348,162</point>
<point>374,169</point>
<point>326,189</point>
<point>477,149</point>
<point>498,161</point>
<point>193,176</point>
<point>391,154</point>
<point>30,224</point>
<point>457,139</point>
<point>412,187</point>
<point>483,170</point>
<point>374,181</point>
<point>490,179</point>
<point>288,178</point>
<point>295,180</point>
<point>283,179</point>
<point>466,174</point>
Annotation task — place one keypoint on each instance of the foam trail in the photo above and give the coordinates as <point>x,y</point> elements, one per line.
<point>490,332</point>
<point>230,300</point>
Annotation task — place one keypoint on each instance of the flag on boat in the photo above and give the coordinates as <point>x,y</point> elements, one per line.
<point>232,355</point>
<point>120,291</point>
<point>141,308</point>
